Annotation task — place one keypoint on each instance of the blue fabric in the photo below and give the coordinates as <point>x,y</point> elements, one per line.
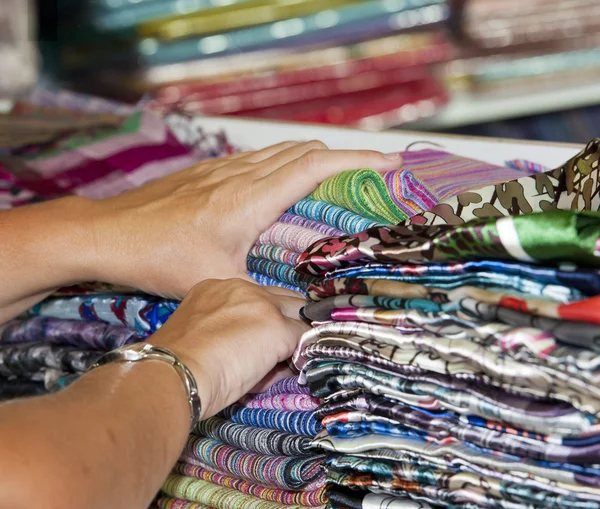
<point>300,423</point>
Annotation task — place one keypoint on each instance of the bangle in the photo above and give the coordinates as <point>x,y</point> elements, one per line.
<point>145,351</point>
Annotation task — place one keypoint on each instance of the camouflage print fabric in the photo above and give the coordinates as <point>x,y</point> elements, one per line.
<point>573,186</point>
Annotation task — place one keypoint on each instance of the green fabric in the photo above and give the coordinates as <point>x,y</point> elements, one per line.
<point>362,191</point>
<point>561,234</point>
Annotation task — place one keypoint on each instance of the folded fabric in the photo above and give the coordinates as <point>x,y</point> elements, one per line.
<point>553,237</point>
<point>298,422</point>
<point>455,488</point>
<point>289,385</point>
<point>274,253</point>
<point>178,503</point>
<point>107,162</point>
<point>12,389</point>
<point>381,466</point>
<point>420,185</point>
<point>283,472</point>
<point>306,498</point>
<point>357,424</point>
<point>219,497</point>
<point>330,378</point>
<point>340,498</point>
<point>289,402</point>
<point>397,449</point>
<point>311,224</point>
<point>259,440</point>
<point>332,215</point>
<point>573,186</point>
<point>586,281</point>
<point>144,313</point>
<point>494,281</point>
<point>85,335</point>
<point>290,236</point>
<point>529,353</point>
<point>278,271</point>
<point>28,359</point>
<point>263,280</point>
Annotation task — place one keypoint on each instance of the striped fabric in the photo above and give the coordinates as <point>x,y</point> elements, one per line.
<point>259,440</point>
<point>306,498</point>
<point>363,192</point>
<point>332,215</point>
<point>275,471</point>
<point>289,236</point>
<point>288,385</point>
<point>279,272</point>
<point>178,503</point>
<point>301,423</point>
<point>290,402</point>
<point>219,497</point>
<point>323,228</point>
<point>263,280</point>
<point>274,253</point>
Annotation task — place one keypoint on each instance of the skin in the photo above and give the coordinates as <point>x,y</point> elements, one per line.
<point>110,439</point>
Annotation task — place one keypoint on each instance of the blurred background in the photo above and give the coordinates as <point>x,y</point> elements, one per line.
<point>507,68</point>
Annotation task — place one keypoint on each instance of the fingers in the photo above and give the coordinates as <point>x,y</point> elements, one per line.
<point>289,306</point>
<point>286,156</point>
<point>300,177</point>
<point>238,164</point>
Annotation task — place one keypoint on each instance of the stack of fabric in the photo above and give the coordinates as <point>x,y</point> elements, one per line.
<point>360,62</point>
<point>456,358</point>
<point>256,454</point>
<point>356,200</point>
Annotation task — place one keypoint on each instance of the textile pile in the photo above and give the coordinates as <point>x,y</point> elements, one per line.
<point>456,358</point>
<point>437,355</point>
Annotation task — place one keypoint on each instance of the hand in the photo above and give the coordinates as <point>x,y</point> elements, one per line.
<point>201,222</point>
<point>231,334</point>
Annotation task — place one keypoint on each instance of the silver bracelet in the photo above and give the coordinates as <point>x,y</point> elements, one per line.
<point>145,351</point>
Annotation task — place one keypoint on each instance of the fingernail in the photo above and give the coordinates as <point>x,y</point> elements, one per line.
<point>392,156</point>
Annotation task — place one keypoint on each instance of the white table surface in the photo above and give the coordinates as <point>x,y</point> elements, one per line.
<point>257,134</point>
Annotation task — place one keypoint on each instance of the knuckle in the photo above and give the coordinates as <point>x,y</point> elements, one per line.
<point>316,145</point>
<point>311,159</point>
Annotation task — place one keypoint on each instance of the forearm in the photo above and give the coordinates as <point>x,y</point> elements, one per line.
<point>44,247</point>
<point>107,441</point>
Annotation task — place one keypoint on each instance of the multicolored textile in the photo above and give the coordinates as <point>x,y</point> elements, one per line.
<point>89,335</point>
<point>396,419</point>
<point>437,392</point>
<point>299,422</point>
<point>306,498</point>
<point>259,440</point>
<point>454,488</point>
<point>274,253</point>
<point>400,450</point>
<point>572,369</point>
<point>340,498</point>
<point>279,271</point>
<point>219,497</point>
<point>332,215</point>
<point>263,280</point>
<point>179,503</point>
<point>552,237</point>
<point>289,385</point>
<point>283,472</point>
<point>31,359</point>
<point>586,281</point>
<point>288,402</point>
<point>420,185</point>
<point>371,464</point>
<point>105,163</point>
<point>573,186</point>
<point>144,313</point>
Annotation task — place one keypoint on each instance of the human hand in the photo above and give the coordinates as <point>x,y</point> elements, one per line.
<point>232,334</point>
<point>200,223</point>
